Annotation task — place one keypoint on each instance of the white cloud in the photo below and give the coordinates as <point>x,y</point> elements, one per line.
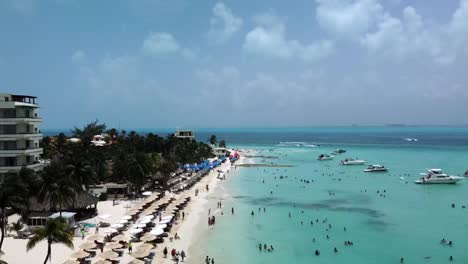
<point>348,19</point>
<point>269,39</point>
<point>160,43</point>
<point>408,37</point>
<point>224,24</point>
<point>458,27</point>
<point>79,57</point>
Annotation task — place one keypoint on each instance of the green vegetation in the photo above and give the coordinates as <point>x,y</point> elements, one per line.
<point>55,231</point>
<point>139,160</point>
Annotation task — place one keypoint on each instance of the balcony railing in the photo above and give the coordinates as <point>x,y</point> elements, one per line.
<point>16,148</point>
<point>20,133</point>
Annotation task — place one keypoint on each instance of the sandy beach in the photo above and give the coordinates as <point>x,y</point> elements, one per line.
<point>196,214</point>
<point>189,230</point>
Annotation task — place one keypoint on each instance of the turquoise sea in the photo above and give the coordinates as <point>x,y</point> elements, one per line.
<point>386,217</point>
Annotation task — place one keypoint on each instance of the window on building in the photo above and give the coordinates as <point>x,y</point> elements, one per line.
<point>7,99</point>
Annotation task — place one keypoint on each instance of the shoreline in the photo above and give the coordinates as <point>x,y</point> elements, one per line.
<point>190,230</point>
<point>194,228</point>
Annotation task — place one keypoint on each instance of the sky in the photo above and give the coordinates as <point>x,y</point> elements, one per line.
<point>233,63</point>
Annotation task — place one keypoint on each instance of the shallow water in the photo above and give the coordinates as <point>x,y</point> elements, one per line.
<point>408,222</point>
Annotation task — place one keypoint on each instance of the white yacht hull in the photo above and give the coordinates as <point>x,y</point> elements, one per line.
<point>451,180</point>
<point>354,162</point>
<point>371,170</point>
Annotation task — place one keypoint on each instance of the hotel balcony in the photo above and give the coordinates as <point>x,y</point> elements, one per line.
<point>20,152</point>
<point>16,120</point>
<point>25,135</point>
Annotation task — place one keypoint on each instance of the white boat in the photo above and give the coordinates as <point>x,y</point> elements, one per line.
<point>436,176</point>
<point>325,157</point>
<point>376,168</point>
<point>411,139</point>
<point>352,162</point>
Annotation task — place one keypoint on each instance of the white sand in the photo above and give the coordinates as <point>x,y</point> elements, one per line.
<point>193,226</point>
<point>15,249</point>
<point>196,217</point>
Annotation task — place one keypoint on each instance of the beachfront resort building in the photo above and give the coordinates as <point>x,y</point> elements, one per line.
<point>19,134</point>
<point>185,134</point>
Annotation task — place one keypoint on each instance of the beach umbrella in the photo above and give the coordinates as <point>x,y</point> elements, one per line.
<point>161,226</point>
<point>139,226</point>
<point>103,261</point>
<point>136,261</point>
<point>120,238</point>
<point>148,217</point>
<point>71,261</point>
<point>148,237</point>
<point>88,245</point>
<point>96,237</point>
<point>157,231</point>
<point>123,221</point>
<point>141,254</point>
<point>114,245</point>
<point>146,194</point>
<point>108,255</point>
<point>164,221</point>
<point>133,212</point>
<point>145,246</point>
<point>116,225</point>
<point>126,217</point>
<point>147,212</point>
<point>167,217</point>
<point>145,221</point>
<point>110,230</point>
<point>135,231</point>
<point>80,254</point>
<point>104,216</point>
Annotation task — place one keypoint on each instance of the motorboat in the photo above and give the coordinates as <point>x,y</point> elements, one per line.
<point>437,176</point>
<point>411,139</point>
<point>353,162</point>
<point>325,157</point>
<point>339,151</point>
<point>376,168</point>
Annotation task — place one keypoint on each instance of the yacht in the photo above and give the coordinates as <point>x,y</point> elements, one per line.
<point>325,157</point>
<point>339,151</point>
<point>436,176</point>
<point>352,162</point>
<point>376,168</point>
<point>411,139</point>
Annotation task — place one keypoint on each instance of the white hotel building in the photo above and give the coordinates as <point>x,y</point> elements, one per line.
<point>19,133</point>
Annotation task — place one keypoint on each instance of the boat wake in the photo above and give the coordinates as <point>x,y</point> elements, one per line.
<point>297,144</point>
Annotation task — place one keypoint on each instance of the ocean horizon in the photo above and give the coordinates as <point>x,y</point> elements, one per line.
<point>308,136</point>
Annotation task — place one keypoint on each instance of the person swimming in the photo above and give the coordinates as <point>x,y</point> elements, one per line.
<point>317,252</point>
<point>335,250</point>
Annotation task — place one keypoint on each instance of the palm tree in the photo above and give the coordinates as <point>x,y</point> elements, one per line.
<point>213,140</point>
<point>222,144</point>
<point>55,231</point>
<point>56,187</point>
<point>17,226</point>
<point>12,191</point>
